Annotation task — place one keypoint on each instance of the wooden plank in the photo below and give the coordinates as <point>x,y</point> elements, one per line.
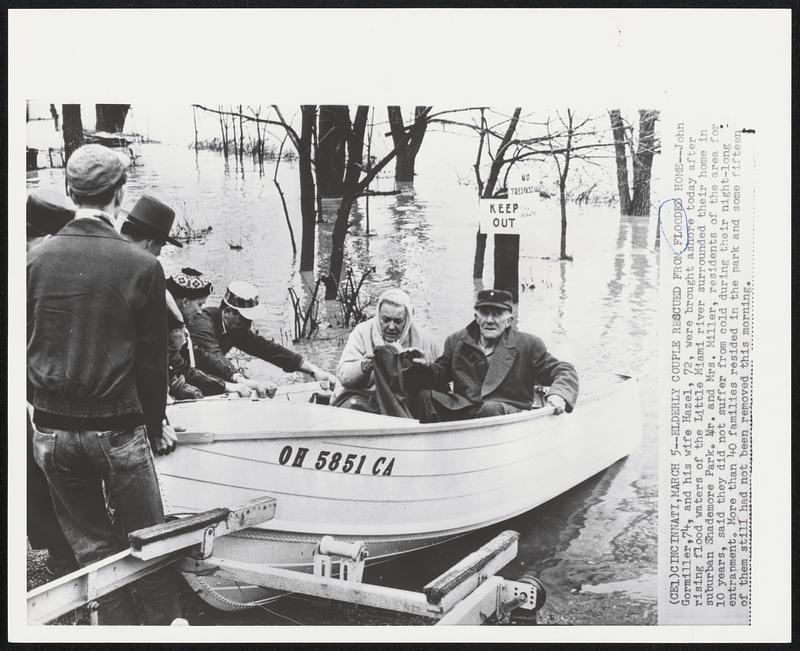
<point>64,595</point>
<point>53,599</point>
<point>283,580</point>
<point>141,537</point>
<point>249,514</point>
<point>480,603</point>
<point>465,575</point>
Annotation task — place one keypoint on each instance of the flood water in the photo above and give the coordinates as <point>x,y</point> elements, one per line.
<point>594,547</point>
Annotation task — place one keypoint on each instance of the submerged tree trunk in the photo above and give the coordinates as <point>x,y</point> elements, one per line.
<point>643,163</point>
<point>54,114</point>
<point>620,142</point>
<point>407,149</point>
<point>334,127</point>
<point>194,120</point>
<point>562,188</point>
<point>355,153</point>
<point>506,247</point>
<point>307,207</point>
<point>562,195</point>
<point>72,128</point>
<point>235,146</point>
<point>111,117</point>
<point>223,132</point>
<point>506,264</point>
<point>241,137</point>
<point>480,238</point>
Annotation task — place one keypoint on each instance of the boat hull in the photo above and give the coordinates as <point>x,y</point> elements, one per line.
<point>393,483</point>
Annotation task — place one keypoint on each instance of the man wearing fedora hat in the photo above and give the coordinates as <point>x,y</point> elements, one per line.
<point>46,213</point>
<point>97,361</point>
<point>215,330</point>
<point>494,367</point>
<point>149,223</point>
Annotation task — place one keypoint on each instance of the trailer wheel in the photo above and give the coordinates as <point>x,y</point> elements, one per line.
<point>541,593</point>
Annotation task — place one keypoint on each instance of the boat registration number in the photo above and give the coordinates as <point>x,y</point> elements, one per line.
<point>335,461</point>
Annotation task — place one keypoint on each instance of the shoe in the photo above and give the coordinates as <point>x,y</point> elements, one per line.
<point>57,566</point>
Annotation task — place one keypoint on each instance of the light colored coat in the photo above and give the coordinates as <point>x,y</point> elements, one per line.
<point>362,340</point>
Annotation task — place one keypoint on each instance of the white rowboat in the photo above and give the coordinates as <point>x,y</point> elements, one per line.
<point>393,483</point>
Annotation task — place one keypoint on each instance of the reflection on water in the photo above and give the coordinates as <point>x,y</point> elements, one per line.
<point>595,545</point>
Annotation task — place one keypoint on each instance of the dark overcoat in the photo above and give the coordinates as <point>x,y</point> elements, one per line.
<point>97,330</point>
<point>212,342</point>
<point>519,361</point>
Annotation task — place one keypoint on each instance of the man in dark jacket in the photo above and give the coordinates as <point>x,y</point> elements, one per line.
<point>97,360</point>
<point>215,330</point>
<point>47,212</point>
<point>494,367</point>
<point>189,290</point>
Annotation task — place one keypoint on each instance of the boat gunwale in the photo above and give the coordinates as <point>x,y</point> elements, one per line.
<point>413,428</point>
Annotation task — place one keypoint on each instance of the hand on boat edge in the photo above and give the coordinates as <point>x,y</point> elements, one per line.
<point>327,381</point>
<point>558,403</point>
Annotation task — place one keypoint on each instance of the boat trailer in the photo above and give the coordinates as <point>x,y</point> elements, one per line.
<point>468,593</point>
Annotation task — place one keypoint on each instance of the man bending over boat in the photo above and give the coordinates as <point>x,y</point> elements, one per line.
<point>189,290</point>
<point>494,367</point>
<point>215,330</point>
<point>392,325</point>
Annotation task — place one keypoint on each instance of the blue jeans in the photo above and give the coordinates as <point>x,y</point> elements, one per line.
<point>44,531</point>
<point>75,463</point>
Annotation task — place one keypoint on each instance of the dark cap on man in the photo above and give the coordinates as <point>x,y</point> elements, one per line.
<point>153,219</point>
<point>495,298</point>
<point>47,212</point>
<point>93,169</point>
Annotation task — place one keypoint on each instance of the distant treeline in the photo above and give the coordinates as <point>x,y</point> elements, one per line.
<point>250,148</point>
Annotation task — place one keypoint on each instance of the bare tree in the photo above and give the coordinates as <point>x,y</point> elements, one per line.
<point>355,152</point>
<point>54,114</point>
<point>354,184</point>
<point>563,171</point>
<point>283,198</point>
<point>639,203</point>
<point>334,128</point>
<point>620,142</point>
<point>406,149</point>
<point>194,120</point>
<point>72,128</point>
<point>223,129</point>
<point>308,120</point>
<point>643,162</point>
<point>241,147</point>
<point>506,253</point>
<point>233,127</point>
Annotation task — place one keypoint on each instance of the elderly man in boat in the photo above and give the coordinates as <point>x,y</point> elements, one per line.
<point>494,367</point>
<point>215,330</point>
<point>391,326</point>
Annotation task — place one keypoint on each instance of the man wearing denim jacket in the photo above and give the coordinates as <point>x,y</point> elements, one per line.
<point>97,360</point>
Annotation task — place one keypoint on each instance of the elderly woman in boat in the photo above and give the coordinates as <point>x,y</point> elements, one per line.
<point>393,325</point>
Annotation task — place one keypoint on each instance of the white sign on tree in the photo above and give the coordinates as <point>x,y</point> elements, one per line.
<point>500,216</point>
<point>513,215</point>
<point>522,189</point>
